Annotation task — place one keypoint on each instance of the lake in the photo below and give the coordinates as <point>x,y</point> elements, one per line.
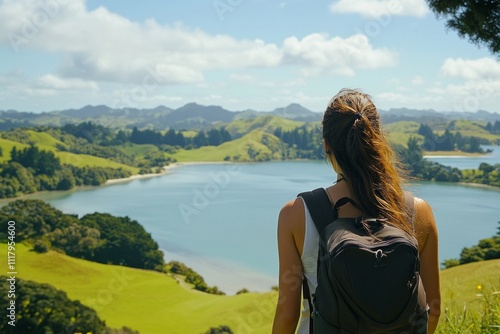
<point>220,219</point>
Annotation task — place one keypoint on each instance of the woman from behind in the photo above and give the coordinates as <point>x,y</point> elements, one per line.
<point>367,172</point>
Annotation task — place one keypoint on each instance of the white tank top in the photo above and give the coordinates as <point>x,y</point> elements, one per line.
<point>309,260</point>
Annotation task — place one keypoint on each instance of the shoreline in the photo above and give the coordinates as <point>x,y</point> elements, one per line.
<point>453,154</point>
<point>165,170</point>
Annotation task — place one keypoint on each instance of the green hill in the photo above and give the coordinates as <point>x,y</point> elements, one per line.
<point>147,301</point>
<point>45,141</point>
<point>152,302</point>
<point>460,283</point>
<point>254,146</point>
<point>471,129</point>
<point>400,132</point>
<point>269,124</point>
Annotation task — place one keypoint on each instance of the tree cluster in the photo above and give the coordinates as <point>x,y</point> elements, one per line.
<point>420,168</point>
<point>213,137</point>
<point>41,309</point>
<point>98,237</point>
<point>448,141</point>
<point>91,132</point>
<point>301,143</point>
<point>493,128</point>
<point>192,277</point>
<point>477,20</point>
<point>32,169</point>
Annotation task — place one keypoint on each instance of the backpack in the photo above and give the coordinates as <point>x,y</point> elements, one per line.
<point>368,281</point>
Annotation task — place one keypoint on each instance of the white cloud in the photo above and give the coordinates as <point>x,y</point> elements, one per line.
<point>242,77</point>
<point>55,82</point>
<point>379,8</point>
<point>319,53</point>
<point>472,69</point>
<point>418,80</point>
<point>100,46</point>
<point>103,46</point>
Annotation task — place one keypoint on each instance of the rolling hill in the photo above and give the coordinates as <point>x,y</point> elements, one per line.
<point>153,302</point>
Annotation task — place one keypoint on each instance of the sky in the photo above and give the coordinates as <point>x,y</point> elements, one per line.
<point>238,54</point>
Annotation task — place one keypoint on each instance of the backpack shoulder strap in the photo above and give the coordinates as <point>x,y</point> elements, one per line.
<point>319,207</point>
<point>321,210</point>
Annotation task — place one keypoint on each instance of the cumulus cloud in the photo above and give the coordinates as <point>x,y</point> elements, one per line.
<point>378,8</point>
<point>55,82</point>
<point>104,46</point>
<point>472,69</point>
<point>319,53</point>
<point>101,46</point>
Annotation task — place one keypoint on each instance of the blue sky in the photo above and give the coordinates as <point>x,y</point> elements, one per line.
<point>239,54</point>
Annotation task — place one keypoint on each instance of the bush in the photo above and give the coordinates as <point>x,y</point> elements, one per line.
<point>219,330</point>
<point>40,307</point>
<point>244,290</point>
<point>41,246</point>
<point>450,263</point>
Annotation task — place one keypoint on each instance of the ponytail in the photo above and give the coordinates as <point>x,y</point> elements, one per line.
<point>352,131</point>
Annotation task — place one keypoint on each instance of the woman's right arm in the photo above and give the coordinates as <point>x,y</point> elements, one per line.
<point>290,269</point>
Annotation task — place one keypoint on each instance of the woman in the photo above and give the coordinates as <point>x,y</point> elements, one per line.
<point>367,172</point>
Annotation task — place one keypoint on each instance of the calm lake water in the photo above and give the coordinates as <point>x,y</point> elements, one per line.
<point>220,219</point>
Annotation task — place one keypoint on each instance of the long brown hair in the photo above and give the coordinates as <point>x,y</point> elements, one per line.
<point>352,132</point>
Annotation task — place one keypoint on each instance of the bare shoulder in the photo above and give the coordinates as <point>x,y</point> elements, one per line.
<point>291,215</point>
<point>425,223</point>
<point>423,210</point>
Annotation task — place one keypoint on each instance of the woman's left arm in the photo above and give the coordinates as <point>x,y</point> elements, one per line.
<point>429,262</point>
<point>290,269</point>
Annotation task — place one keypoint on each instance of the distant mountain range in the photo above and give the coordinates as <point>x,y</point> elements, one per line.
<point>195,116</point>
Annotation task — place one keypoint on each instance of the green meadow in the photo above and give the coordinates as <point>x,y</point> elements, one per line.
<point>152,302</point>
<point>147,301</point>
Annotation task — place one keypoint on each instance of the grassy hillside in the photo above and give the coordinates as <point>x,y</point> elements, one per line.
<point>147,301</point>
<point>471,129</point>
<point>7,146</point>
<point>268,124</point>
<point>261,143</point>
<point>401,132</point>
<point>45,141</point>
<point>82,160</point>
<point>460,284</point>
<point>152,302</point>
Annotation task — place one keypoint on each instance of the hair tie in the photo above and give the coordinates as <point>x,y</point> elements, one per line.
<point>358,115</point>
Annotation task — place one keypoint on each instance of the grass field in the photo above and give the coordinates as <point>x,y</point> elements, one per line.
<point>147,301</point>
<point>268,124</point>
<point>152,302</point>
<point>44,140</point>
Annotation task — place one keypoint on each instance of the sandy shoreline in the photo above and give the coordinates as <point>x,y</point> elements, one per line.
<point>165,170</point>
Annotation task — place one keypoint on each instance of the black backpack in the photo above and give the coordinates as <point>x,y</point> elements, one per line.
<point>368,282</point>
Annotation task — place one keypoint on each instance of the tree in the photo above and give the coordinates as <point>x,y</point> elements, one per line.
<point>478,20</point>
<point>123,241</point>
<point>34,218</point>
<point>40,309</point>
